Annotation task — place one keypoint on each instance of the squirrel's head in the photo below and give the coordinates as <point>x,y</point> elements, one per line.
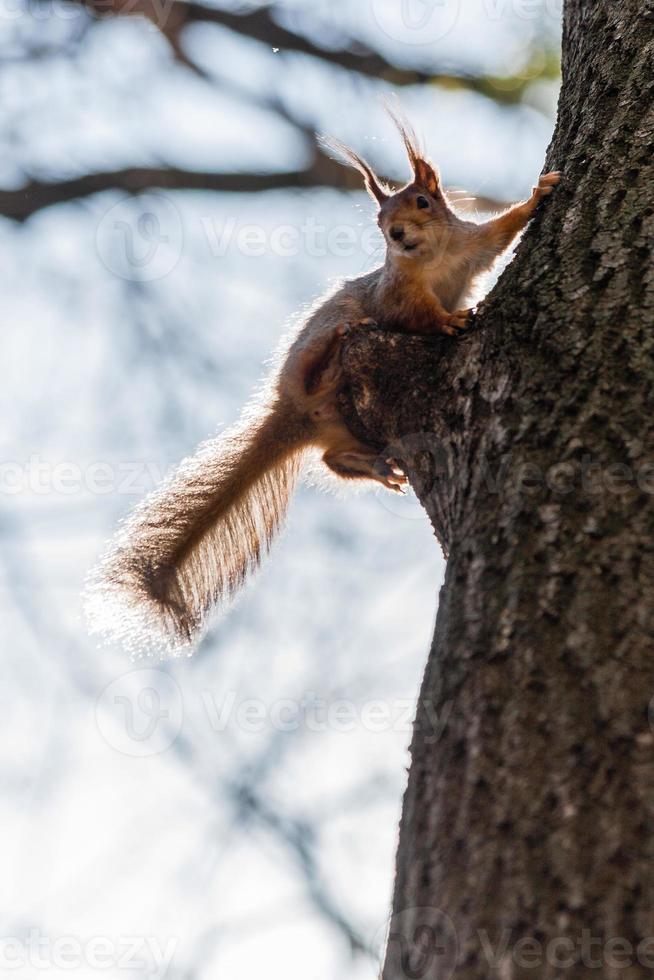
<point>415,218</point>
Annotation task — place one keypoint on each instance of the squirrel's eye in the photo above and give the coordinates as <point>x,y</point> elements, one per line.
<point>422,202</point>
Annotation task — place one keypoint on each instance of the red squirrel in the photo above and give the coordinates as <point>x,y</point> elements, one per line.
<point>191,544</point>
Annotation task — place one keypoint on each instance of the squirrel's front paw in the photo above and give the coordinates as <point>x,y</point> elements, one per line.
<point>455,322</point>
<point>546,184</point>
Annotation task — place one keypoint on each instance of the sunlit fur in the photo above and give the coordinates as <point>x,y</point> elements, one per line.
<point>192,543</point>
<point>375,187</point>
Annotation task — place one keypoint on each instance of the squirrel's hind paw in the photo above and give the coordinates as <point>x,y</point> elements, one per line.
<point>359,463</point>
<point>456,322</point>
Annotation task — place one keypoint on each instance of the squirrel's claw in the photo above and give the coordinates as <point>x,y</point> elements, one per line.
<point>394,483</point>
<point>455,322</point>
<point>546,184</point>
<point>396,468</point>
<point>391,475</point>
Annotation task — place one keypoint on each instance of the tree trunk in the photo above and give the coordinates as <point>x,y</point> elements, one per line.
<point>527,837</point>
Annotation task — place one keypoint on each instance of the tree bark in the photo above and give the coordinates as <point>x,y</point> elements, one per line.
<point>527,836</point>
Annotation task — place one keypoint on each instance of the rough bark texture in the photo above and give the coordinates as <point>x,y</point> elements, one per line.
<point>529,813</point>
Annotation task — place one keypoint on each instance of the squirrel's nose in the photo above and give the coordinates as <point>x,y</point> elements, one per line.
<point>397,233</point>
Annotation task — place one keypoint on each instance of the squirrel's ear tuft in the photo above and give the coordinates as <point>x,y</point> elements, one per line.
<point>405,129</point>
<point>423,173</point>
<point>426,175</point>
<point>372,183</point>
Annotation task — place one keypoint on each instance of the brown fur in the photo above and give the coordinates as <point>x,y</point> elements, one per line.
<point>191,545</point>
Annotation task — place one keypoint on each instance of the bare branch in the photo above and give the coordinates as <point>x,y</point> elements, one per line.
<point>37,194</point>
<point>299,838</point>
<point>171,16</point>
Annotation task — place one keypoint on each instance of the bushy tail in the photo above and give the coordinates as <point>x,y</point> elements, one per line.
<point>191,544</point>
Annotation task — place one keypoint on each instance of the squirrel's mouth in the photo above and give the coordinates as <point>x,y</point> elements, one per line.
<point>409,246</point>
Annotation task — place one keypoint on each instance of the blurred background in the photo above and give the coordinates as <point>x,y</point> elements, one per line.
<point>166,212</point>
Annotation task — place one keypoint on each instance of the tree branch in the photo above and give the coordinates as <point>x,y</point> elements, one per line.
<point>171,16</point>
<point>36,195</point>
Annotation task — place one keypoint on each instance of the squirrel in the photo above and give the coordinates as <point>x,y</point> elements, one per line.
<point>192,543</point>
